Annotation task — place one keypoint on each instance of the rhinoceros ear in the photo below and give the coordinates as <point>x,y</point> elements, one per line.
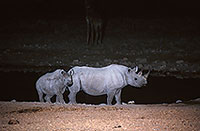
<point>135,69</point>
<point>140,73</point>
<point>129,69</point>
<point>71,72</point>
<point>62,72</point>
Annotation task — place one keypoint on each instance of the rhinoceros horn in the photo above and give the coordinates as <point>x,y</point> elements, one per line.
<point>147,74</point>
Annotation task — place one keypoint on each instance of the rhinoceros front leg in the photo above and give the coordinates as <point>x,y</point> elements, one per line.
<point>59,98</point>
<point>110,96</point>
<point>118,97</point>
<point>72,97</point>
<point>40,94</point>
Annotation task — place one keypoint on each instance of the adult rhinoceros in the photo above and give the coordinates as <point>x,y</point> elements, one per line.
<point>106,80</point>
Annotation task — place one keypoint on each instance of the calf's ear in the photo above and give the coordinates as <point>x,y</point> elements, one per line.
<point>62,72</point>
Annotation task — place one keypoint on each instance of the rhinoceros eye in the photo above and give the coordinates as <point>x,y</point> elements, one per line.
<point>135,78</point>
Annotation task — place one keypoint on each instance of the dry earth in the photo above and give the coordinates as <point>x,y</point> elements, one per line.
<point>43,116</point>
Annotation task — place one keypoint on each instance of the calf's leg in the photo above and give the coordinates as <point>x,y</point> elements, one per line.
<point>48,98</point>
<point>40,94</point>
<point>59,98</point>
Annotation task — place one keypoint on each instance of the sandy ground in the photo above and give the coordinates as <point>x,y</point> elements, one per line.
<point>44,116</point>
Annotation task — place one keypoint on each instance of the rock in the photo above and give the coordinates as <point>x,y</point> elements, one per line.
<point>125,59</point>
<point>141,60</point>
<point>179,101</point>
<point>131,102</point>
<point>124,63</point>
<point>140,66</point>
<point>102,104</point>
<point>97,64</point>
<point>179,62</point>
<point>197,100</point>
<point>119,126</point>
<point>13,100</point>
<point>123,103</point>
<point>75,62</point>
<point>13,121</point>
<point>115,61</point>
<point>108,61</point>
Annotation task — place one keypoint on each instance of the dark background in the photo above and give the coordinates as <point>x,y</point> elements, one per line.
<point>159,90</point>
<point>21,86</point>
<point>110,8</point>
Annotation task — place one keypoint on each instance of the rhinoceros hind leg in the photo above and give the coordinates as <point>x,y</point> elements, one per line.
<point>110,96</point>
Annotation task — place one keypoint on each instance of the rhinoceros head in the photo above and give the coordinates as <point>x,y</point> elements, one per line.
<point>66,76</point>
<point>135,78</point>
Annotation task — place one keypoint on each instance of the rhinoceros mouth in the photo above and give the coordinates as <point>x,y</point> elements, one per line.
<point>69,84</point>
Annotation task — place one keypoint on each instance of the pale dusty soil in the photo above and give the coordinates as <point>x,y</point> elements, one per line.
<point>42,116</point>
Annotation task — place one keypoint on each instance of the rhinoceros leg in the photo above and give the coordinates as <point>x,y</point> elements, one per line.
<point>74,89</point>
<point>59,98</point>
<point>48,98</point>
<point>118,97</point>
<point>40,94</point>
<point>72,97</point>
<point>110,96</point>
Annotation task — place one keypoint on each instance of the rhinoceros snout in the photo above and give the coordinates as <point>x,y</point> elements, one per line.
<point>69,84</point>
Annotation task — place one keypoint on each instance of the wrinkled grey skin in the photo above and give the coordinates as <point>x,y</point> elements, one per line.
<point>52,84</point>
<point>107,80</point>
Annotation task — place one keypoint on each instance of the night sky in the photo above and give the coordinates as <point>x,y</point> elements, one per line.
<point>110,8</point>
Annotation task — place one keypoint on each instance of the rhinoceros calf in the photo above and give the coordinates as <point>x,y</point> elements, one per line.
<point>107,80</point>
<point>54,83</point>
